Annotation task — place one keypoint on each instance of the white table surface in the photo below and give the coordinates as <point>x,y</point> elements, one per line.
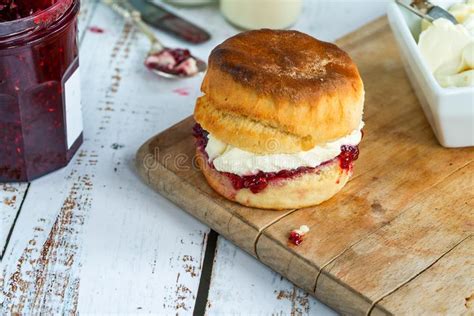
<point>92,238</point>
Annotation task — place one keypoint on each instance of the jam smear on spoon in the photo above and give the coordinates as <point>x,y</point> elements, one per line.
<point>173,61</point>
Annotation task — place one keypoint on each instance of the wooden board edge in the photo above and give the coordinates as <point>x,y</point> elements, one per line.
<point>171,186</point>
<point>286,263</point>
<point>342,297</point>
<point>328,281</point>
<point>140,157</point>
<point>380,308</point>
<point>305,275</point>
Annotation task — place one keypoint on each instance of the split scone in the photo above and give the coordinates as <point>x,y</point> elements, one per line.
<point>280,119</point>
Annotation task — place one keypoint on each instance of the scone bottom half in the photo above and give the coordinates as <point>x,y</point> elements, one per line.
<point>285,88</point>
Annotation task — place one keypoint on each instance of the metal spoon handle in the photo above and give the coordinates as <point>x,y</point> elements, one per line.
<point>422,5</point>
<point>415,11</point>
<point>135,17</point>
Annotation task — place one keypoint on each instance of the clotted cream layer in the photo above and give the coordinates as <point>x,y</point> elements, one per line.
<point>227,158</point>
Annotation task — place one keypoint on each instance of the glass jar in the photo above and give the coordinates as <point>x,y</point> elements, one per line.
<point>257,14</point>
<point>40,109</point>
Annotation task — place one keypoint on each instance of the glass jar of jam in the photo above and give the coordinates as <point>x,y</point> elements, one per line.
<point>40,109</point>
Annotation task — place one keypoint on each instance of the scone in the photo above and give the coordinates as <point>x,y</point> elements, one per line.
<point>280,119</point>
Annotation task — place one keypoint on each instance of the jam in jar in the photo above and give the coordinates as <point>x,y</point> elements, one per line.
<point>40,109</point>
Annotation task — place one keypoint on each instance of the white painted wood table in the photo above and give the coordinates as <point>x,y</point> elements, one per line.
<point>92,238</point>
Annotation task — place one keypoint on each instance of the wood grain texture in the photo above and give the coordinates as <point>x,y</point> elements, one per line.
<point>91,238</point>
<point>376,235</point>
<point>400,250</point>
<point>11,197</point>
<point>46,270</point>
<point>242,285</point>
<point>446,288</point>
<point>38,270</point>
<point>140,254</point>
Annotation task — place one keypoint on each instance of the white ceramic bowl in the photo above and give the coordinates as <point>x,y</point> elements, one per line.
<point>450,111</point>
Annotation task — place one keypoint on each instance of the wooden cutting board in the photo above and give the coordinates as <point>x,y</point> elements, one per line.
<point>397,239</point>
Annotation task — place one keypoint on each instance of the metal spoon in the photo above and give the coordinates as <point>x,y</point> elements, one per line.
<point>123,8</point>
<point>427,10</point>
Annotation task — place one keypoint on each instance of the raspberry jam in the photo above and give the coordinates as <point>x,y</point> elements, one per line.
<point>295,238</point>
<point>201,138</point>
<point>348,155</point>
<point>11,10</point>
<point>40,115</point>
<point>176,61</point>
<point>258,182</point>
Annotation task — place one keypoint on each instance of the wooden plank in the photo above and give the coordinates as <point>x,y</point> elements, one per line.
<point>446,288</point>
<point>149,257</point>
<point>11,197</point>
<point>40,269</point>
<point>400,250</point>
<point>91,238</point>
<point>241,283</point>
<point>85,15</point>
<point>44,239</point>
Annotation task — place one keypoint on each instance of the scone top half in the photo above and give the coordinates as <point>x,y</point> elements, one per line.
<point>270,92</point>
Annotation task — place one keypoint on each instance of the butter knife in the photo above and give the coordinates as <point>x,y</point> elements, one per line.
<point>162,19</point>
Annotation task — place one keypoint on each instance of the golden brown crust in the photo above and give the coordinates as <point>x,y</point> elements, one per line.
<point>279,86</point>
<point>306,190</point>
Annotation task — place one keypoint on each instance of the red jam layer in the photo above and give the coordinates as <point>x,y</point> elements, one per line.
<point>258,182</point>
<point>11,10</point>
<point>295,238</point>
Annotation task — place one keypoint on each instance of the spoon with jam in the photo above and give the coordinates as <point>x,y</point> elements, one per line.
<point>163,61</point>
